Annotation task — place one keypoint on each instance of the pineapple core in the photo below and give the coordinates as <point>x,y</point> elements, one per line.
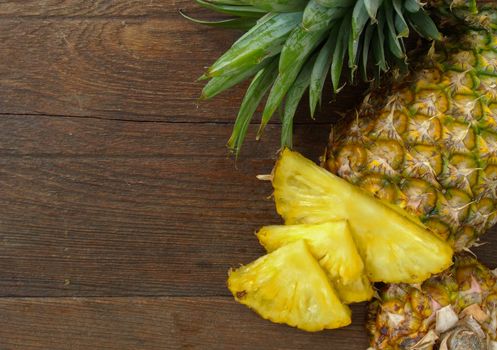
<point>289,286</point>
<point>394,246</point>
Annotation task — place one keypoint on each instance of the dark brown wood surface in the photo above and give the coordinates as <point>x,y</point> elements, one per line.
<point>120,209</point>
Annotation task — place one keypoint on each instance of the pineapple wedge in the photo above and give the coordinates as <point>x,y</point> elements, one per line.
<point>394,247</point>
<point>288,286</point>
<point>332,245</point>
<point>356,291</point>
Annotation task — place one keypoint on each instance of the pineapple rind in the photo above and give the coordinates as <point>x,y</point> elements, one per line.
<point>429,143</point>
<point>331,243</point>
<point>289,286</point>
<point>467,284</point>
<point>393,248</point>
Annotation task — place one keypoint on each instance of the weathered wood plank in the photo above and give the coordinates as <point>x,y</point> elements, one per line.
<point>124,226</point>
<point>129,68</point>
<point>62,136</point>
<point>91,8</point>
<point>94,8</point>
<point>98,207</point>
<point>142,69</point>
<point>157,323</point>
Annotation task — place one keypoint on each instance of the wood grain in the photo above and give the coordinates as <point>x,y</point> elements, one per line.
<point>157,323</point>
<point>100,8</point>
<point>133,68</point>
<point>40,136</point>
<point>95,8</point>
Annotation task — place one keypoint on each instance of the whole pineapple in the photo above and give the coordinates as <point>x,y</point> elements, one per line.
<point>431,148</point>
<point>431,145</point>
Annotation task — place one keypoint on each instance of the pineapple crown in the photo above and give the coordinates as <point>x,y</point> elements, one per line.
<point>291,46</point>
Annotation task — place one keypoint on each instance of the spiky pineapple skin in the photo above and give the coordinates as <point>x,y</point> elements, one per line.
<point>431,146</point>
<point>406,312</point>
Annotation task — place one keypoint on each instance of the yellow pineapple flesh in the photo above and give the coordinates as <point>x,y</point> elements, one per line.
<point>393,247</point>
<point>332,245</point>
<point>289,286</point>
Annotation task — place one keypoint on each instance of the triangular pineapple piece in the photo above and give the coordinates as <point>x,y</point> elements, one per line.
<point>394,248</point>
<point>331,243</point>
<point>288,286</point>
<point>355,291</point>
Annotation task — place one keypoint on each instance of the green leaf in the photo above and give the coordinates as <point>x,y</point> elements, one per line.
<point>320,70</point>
<point>401,26</point>
<point>473,6</point>
<point>264,24</point>
<point>393,42</point>
<point>412,5</point>
<point>219,84</point>
<point>292,100</point>
<point>280,111</point>
<point>379,44</point>
<point>372,7</point>
<point>279,5</point>
<point>336,3</point>
<point>401,65</point>
<point>400,23</point>
<point>353,47</point>
<point>233,23</point>
<point>368,37</point>
<point>264,40</point>
<point>234,10</point>
<point>424,25</point>
<point>317,17</point>
<point>360,17</point>
<point>255,92</point>
<point>229,2</point>
<point>297,49</point>
<point>339,53</point>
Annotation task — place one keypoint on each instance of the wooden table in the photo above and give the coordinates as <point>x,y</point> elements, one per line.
<point>120,210</point>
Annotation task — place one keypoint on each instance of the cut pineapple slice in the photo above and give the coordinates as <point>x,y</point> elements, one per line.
<point>355,291</point>
<point>331,243</point>
<point>288,286</point>
<point>394,248</point>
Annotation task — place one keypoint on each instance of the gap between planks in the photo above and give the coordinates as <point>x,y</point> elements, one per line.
<point>155,121</point>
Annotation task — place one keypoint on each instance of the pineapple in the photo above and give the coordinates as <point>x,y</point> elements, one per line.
<point>457,307</point>
<point>331,243</point>
<point>394,246</point>
<point>430,147</point>
<point>289,286</point>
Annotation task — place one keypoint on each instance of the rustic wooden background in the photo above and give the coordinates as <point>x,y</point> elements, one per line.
<point>120,210</point>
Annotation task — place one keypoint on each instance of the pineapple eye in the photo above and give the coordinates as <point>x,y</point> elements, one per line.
<point>423,130</point>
